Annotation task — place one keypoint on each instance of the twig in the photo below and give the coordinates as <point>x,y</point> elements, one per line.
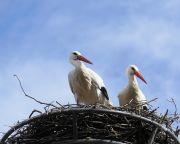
<point>144,103</point>
<point>151,101</point>
<point>127,104</point>
<point>34,112</point>
<point>177,131</point>
<point>60,104</point>
<point>46,108</point>
<point>172,101</point>
<point>47,104</point>
<point>151,140</point>
<point>151,112</point>
<point>138,105</point>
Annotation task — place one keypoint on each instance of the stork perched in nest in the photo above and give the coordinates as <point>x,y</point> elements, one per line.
<point>86,85</point>
<point>132,96</point>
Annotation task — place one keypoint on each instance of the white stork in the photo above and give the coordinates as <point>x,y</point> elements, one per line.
<point>86,85</point>
<point>131,95</point>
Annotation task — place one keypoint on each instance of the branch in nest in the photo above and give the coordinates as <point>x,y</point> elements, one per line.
<point>177,131</point>
<point>147,103</point>
<point>151,140</point>
<point>151,112</point>
<point>34,112</point>
<point>172,101</point>
<point>47,104</point>
<point>60,104</point>
<point>139,105</point>
<point>127,104</point>
<point>151,101</point>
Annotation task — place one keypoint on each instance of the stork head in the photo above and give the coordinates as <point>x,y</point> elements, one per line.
<point>76,58</point>
<point>133,70</point>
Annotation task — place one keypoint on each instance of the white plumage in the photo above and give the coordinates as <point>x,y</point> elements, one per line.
<point>132,95</point>
<point>86,85</point>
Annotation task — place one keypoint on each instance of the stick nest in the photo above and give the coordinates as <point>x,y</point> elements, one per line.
<point>71,123</point>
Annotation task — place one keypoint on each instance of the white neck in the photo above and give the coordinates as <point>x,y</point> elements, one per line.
<point>132,81</point>
<point>77,64</point>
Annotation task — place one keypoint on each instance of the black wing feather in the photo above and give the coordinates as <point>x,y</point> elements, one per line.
<point>104,92</point>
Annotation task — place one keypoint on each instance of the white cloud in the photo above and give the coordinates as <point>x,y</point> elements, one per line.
<point>146,36</point>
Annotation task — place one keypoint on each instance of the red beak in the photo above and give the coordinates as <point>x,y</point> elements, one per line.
<point>84,59</point>
<point>139,75</point>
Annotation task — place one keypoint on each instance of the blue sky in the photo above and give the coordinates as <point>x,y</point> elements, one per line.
<point>36,37</point>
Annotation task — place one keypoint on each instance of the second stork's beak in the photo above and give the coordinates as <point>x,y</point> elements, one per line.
<point>139,75</point>
<point>80,57</point>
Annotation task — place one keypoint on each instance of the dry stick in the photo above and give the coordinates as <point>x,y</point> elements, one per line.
<point>47,104</point>
<point>34,112</point>
<point>140,104</point>
<point>172,101</point>
<point>176,117</point>
<point>60,104</point>
<point>156,129</point>
<point>151,101</point>
<point>151,112</point>
<point>177,131</point>
<point>147,102</point>
<point>127,104</point>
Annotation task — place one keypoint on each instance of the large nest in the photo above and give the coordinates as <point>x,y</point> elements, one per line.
<point>73,124</point>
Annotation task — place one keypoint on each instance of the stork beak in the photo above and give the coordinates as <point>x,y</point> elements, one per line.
<point>80,57</point>
<point>139,75</point>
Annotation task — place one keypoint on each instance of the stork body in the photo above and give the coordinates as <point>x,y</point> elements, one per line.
<point>86,85</point>
<point>131,95</point>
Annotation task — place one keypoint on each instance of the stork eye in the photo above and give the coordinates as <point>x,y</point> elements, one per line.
<point>133,68</point>
<point>75,53</point>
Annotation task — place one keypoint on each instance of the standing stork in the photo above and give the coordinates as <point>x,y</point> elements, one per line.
<point>86,85</point>
<point>131,95</point>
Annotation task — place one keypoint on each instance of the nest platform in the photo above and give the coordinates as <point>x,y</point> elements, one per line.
<point>72,124</point>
